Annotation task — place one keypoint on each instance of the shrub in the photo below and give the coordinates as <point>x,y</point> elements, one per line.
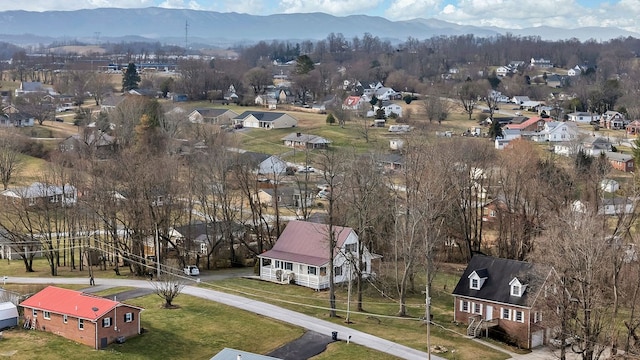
<point>331,119</point>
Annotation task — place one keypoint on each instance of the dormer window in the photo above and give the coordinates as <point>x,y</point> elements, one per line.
<point>516,287</point>
<point>477,279</point>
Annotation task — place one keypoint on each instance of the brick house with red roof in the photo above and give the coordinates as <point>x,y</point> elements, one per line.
<point>81,317</point>
<point>301,256</point>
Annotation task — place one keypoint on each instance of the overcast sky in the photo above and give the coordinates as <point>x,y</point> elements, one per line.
<point>512,14</point>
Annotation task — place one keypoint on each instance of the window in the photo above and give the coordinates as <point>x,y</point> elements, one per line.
<point>475,283</point>
<point>278,264</point>
<point>477,279</point>
<point>35,313</point>
<point>106,322</point>
<point>537,317</point>
<point>506,314</point>
<point>312,270</point>
<point>492,213</point>
<point>81,324</point>
<point>351,247</point>
<point>128,317</point>
<point>65,319</point>
<point>464,306</point>
<point>323,271</point>
<point>516,287</point>
<point>519,316</point>
<point>46,315</point>
<point>203,248</point>
<point>288,266</point>
<point>337,271</point>
<point>477,308</point>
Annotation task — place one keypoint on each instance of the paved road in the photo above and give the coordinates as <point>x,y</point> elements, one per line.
<point>310,323</point>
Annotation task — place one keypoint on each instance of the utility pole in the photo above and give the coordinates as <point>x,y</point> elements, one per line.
<point>347,320</point>
<point>157,254</point>
<point>428,315</point>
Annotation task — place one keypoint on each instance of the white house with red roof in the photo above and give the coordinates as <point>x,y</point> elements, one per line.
<point>353,103</point>
<point>301,256</point>
<point>81,317</point>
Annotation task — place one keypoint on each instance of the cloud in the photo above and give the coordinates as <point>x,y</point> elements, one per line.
<point>513,14</point>
<point>181,4</point>
<point>48,5</point>
<point>411,9</point>
<point>333,7</point>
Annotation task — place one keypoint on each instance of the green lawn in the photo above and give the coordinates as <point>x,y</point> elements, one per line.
<point>196,330</point>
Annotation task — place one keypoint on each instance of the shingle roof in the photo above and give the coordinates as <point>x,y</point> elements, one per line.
<point>233,354</point>
<point>201,232</point>
<point>38,190</point>
<point>260,115</point>
<point>74,303</point>
<point>306,243</point>
<point>618,156</point>
<point>306,138</point>
<point>210,112</point>
<point>499,273</point>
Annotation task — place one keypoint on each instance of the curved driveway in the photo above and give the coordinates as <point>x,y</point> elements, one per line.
<point>257,307</point>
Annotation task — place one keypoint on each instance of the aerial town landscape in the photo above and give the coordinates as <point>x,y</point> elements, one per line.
<point>219,185</point>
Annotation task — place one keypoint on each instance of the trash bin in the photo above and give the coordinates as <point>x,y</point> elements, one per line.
<point>334,336</point>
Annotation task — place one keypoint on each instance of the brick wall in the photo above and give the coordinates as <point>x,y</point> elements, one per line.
<point>516,328</point>
<point>71,329</point>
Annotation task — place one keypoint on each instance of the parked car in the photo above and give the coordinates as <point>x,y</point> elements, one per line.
<point>59,119</point>
<point>306,169</point>
<point>192,270</point>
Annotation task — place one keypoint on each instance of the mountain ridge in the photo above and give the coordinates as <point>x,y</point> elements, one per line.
<point>215,28</point>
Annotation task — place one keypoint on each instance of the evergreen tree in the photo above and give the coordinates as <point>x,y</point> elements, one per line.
<point>331,119</point>
<point>131,78</point>
<point>495,131</point>
<point>304,65</point>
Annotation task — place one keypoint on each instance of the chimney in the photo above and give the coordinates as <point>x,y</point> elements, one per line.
<point>239,357</point>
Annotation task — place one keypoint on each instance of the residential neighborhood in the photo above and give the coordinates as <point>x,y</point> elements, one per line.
<point>453,197</point>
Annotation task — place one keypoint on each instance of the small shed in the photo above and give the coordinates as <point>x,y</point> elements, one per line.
<point>609,185</point>
<point>8,315</point>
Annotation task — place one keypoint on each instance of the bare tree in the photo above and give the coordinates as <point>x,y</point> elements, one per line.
<point>331,163</point>
<point>468,94</point>
<point>436,108</point>
<point>365,189</point>
<point>420,209</point>
<point>168,286</point>
<point>10,160</point>
<point>580,251</point>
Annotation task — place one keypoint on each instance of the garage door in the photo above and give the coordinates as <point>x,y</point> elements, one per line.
<point>537,338</point>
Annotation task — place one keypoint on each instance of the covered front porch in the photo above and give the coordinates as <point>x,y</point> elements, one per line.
<point>283,272</point>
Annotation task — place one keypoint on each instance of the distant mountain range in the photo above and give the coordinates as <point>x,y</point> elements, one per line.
<point>175,26</point>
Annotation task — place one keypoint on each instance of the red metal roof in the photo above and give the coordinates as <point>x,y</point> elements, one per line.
<point>70,302</point>
<point>524,124</point>
<point>307,243</point>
